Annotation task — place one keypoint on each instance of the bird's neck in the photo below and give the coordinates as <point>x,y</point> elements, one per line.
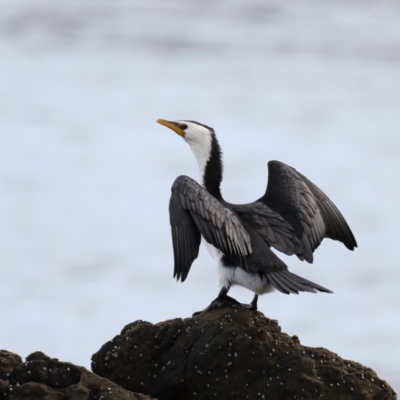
<point>211,169</point>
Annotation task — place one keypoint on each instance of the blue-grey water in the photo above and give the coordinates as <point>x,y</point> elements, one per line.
<point>85,172</point>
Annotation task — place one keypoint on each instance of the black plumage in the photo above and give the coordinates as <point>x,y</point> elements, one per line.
<point>194,213</point>
<point>293,217</point>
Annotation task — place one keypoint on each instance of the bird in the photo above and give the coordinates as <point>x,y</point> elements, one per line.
<point>293,217</point>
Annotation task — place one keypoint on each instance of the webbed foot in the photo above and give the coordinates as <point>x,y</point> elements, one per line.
<point>224,300</point>
<point>253,305</point>
<point>220,301</point>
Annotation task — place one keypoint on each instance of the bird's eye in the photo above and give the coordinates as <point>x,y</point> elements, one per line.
<point>182,126</point>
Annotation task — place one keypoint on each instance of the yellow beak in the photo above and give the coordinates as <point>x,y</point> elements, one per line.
<point>172,126</point>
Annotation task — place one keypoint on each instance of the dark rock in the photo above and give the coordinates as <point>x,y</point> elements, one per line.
<point>38,355</point>
<point>231,353</point>
<point>4,385</point>
<point>30,371</point>
<point>77,392</point>
<point>8,362</point>
<point>100,388</point>
<point>43,378</point>
<point>62,374</point>
<point>34,391</point>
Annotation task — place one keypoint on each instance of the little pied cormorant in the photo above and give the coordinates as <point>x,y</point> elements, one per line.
<point>293,216</point>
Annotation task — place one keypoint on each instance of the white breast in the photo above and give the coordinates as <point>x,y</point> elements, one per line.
<point>229,276</point>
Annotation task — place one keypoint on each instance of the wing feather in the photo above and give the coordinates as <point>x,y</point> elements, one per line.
<point>336,226</point>
<point>306,208</point>
<point>195,213</point>
<point>185,239</point>
<point>273,229</point>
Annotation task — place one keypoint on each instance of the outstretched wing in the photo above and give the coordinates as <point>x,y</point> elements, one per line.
<point>306,208</point>
<point>336,226</point>
<point>195,213</point>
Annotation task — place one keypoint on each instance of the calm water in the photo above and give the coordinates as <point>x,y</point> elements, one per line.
<point>85,172</point>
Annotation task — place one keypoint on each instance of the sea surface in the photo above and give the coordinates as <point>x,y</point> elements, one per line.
<point>85,171</point>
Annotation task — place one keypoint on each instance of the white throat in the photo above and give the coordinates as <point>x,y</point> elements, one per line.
<point>200,140</point>
<point>202,154</point>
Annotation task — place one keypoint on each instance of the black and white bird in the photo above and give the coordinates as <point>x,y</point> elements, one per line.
<point>293,216</point>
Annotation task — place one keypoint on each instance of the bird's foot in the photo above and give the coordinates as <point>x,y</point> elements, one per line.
<point>250,306</point>
<point>218,303</point>
<point>227,301</point>
<point>253,305</point>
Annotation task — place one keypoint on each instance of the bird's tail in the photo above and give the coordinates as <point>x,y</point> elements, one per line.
<point>287,283</point>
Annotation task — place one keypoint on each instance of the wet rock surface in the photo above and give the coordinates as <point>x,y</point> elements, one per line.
<point>43,378</point>
<point>232,353</point>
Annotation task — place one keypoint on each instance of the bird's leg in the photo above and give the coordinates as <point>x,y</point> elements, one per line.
<point>254,302</point>
<point>222,297</point>
<point>223,294</point>
<point>253,305</point>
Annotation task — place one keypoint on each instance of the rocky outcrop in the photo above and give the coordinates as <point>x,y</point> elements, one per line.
<point>43,378</point>
<point>227,352</point>
<point>230,353</point>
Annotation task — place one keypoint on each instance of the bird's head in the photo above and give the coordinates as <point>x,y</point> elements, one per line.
<point>204,144</point>
<point>194,133</point>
